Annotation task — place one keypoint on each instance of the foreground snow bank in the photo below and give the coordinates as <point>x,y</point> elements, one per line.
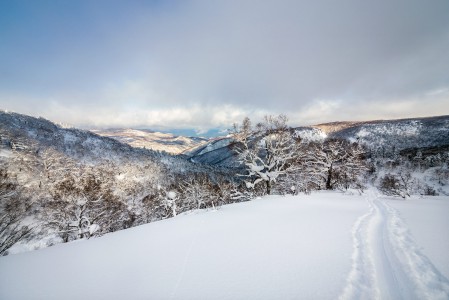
<point>323,246</point>
<point>276,247</point>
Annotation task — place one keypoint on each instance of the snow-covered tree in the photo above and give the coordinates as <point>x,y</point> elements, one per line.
<point>82,207</point>
<point>335,163</point>
<point>171,202</point>
<point>13,209</point>
<point>267,151</point>
<point>200,192</point>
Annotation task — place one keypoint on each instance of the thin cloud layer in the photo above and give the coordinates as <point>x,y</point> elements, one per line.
<point>204,64</point>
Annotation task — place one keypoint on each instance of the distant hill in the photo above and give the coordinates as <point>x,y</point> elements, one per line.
<point>399,134</point>
<point>388,135</point>
<point>32,134</point>
<point>148,139</point>
<point>22,134</point>
<point>35,134</point>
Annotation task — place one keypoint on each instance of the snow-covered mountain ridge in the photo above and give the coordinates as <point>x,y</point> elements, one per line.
<point>36,134</point>
<point>117,144</point>
<point>158,141</point>
<point>49,175</point>
<point>34,137</point>
<point>388,135</point>
<point>398,134</point>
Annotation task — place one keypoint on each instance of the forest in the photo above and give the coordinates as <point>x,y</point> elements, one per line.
<point>82,186</point>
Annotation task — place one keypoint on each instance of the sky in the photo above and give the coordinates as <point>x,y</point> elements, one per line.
<point>208,64</point>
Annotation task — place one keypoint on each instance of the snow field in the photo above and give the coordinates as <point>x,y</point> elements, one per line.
<point>324,246</point>
<point>387,262</point>
<point>428,223</point>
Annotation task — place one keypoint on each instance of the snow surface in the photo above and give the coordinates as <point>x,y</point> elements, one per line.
<point>324,246</point>
<point>428,220</point>
<point>5,153</point>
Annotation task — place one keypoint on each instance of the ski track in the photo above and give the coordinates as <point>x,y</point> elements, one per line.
<point>386,261</point>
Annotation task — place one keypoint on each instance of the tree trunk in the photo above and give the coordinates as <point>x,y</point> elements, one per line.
<point>329,178</point>
<point>268,187</point>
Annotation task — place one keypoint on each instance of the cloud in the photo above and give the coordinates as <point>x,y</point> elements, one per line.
<point>203,64</point>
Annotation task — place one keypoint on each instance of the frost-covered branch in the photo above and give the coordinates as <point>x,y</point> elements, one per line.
<point>267,151</point>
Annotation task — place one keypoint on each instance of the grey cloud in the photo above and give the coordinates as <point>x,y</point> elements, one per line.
<point>280,56</point>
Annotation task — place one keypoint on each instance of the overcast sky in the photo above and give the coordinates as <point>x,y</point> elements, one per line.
<point>207,64</point>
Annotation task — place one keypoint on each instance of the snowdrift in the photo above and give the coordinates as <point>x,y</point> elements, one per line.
<point>308,247</point>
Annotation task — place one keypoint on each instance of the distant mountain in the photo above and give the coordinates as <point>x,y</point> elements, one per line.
<point>148,139</point>
<point>68,177</point>
<point>398,134</point>
<point>34,134</point>
<point>219,151</point>
<point>388,135</point>
<point>28,136</point>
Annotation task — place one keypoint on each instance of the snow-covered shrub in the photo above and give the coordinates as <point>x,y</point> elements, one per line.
<point>240,193</point>
<point>84,206</point>
<point>429,191</point>
<point>442,175</point>
<point>396,184</point>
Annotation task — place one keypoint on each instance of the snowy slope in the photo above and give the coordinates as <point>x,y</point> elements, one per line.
<point>401,134</point>
<point>32,136</point>
<point>307,247</point>
<point>386,134</point>
<point>157,141</point>
<point>218,151</point>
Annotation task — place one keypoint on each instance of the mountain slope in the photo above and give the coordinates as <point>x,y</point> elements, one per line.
<point>30,134</point>
<point>401,134</point>
<point>388,135</point>
<point>157,141</point>
<point>67,180</point>
<point>33,136</point>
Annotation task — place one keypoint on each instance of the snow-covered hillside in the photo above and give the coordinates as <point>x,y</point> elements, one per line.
<point>34,135</point>
<point>51,176</point>
<point>388,135</point>
<point>397,134</point>
<point>324,246</point>
<point>218,151</point>
<point>157,141</point>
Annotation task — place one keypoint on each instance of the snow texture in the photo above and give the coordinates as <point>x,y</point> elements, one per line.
<point>387,263</point>
<point>323,246</point>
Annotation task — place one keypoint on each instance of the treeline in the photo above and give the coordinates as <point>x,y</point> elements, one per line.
<point>276,158</point>
<point>411,171</point>
<point>48,195</point>
<point>57,199</point>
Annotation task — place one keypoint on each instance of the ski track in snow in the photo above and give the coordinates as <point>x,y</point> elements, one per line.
<point>386,261</point>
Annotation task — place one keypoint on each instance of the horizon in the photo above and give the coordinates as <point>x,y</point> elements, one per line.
<point>202,66</point>
<point>211,132</point>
